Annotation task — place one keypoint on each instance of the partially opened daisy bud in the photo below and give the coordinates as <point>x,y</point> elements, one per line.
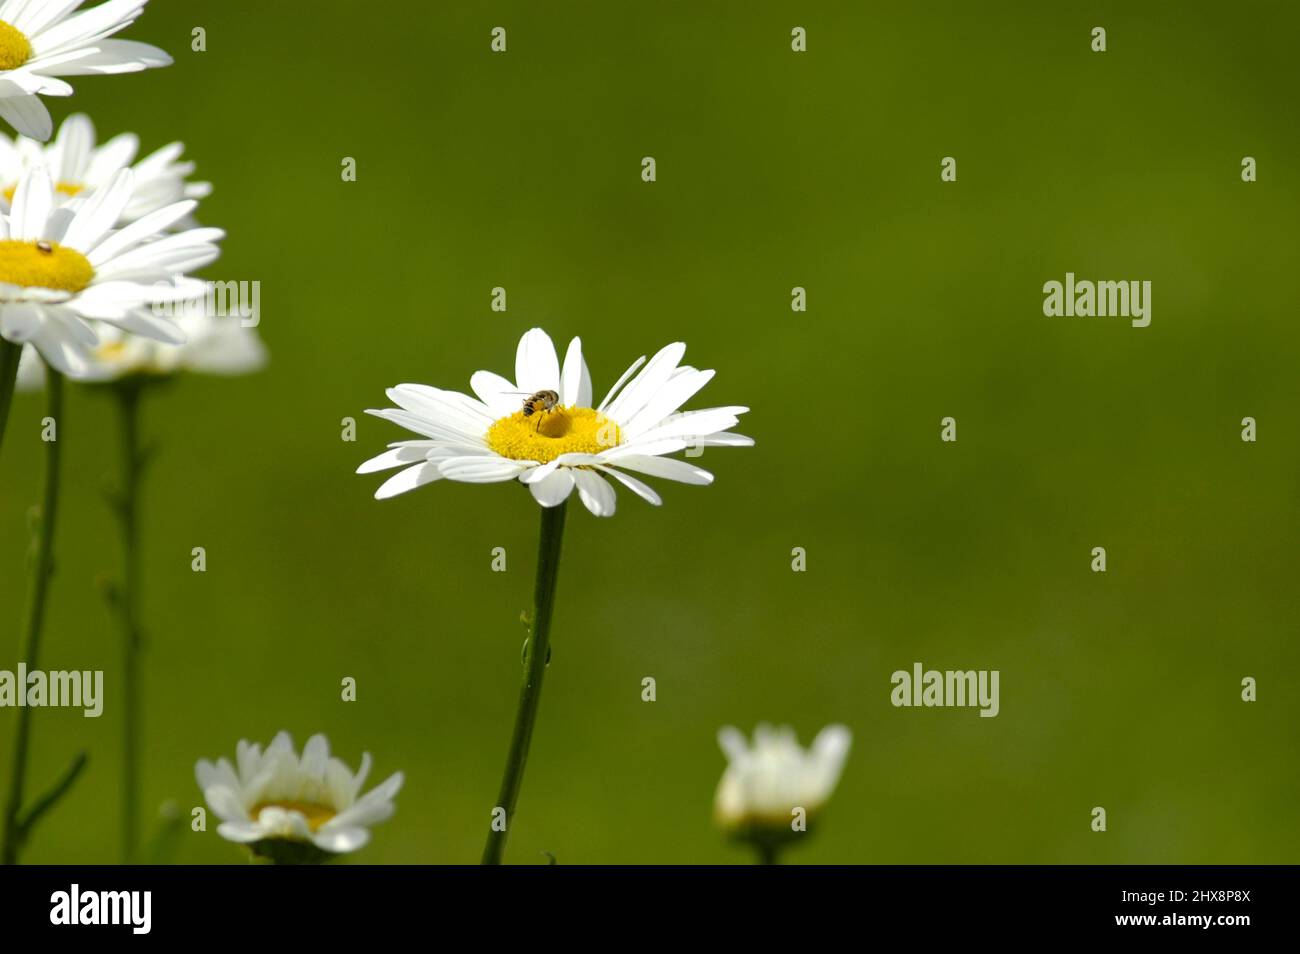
<point>772,791</point>
<point>291,809</point>
<point>543,430</point>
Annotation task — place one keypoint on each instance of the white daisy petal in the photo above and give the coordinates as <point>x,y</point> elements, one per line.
<point>646,385</point>
<point>642,490</point>
<point>394,458</point>
<point>408,479</point>
<point>668,468</point>
<point>341,840</point>
<point>554,489</point>
<point>480,469</point>
<point>500,395</point>
<point>536,366</point>
<point>670,397</point>
<point>28,115</point>
<point>595,492</point>
<point>575,380</point>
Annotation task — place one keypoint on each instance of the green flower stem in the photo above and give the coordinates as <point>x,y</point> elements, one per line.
<point>9,355</point>
<point>127,603</point>
<point>16,827</point>
<point>537,652</point>
<point>768,853</point>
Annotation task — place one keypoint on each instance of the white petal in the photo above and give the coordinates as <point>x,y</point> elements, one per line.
<point>642,490</point>
<point>536,366</point>
<point>666,467</point>
<point>394,458</point>
<point>500,395</point>
<point>619,383</point>
<point>595,492</point>
<point>32,203</point>
<point>671,396</point>
<point>481,469</point>
<point>339,840</point>
<point>555,489</point>
<point>647,384</point>
<point>575,381</point>
<point>408,479</point>
<point>94,219</point>
<point>28,115</point>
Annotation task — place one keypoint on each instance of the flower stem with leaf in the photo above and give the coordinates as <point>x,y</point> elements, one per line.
<point>17,823</point>
<point>537,653</point>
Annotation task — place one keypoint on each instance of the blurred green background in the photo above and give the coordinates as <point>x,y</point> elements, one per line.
<point>775,169</point>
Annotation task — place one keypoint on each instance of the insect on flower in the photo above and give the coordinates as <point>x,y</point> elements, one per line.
<point>540,403</point>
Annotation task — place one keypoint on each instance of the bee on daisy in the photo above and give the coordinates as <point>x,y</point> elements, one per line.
<point>294,809</point>
<point>42,40</point>
<point>543,429</point>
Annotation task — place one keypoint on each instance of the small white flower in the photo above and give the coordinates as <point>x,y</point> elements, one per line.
<point>765,783</point>
<point>79,167</point>
<point>280,803</point>
<point>561,440</point>
<point>217,346</point>
<point>44,39</point>
<point>62,269</point>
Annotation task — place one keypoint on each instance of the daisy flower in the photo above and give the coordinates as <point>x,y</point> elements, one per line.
<point>62,269</point>
<point>79,167</point>
<point>41,40</point>
<point>213,346</point>
<point>764,783</point>
<point>291,807</point>
<point>544,430</point>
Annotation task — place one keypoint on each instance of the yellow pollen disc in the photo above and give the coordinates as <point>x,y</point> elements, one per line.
<point>44,265</point>
<point>15,48</point>
<point>69,189</point>
<point>316,815</point>
<point>545,435</point>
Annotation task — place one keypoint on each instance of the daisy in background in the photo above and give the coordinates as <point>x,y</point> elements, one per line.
<point>772,791</point>
<point>543,430</point>
<point>41,40</point>
<point>63,271</point>
<point>294,809</point>
<point>79,167</point>
<point>217,346</point>
<point>99,302</point>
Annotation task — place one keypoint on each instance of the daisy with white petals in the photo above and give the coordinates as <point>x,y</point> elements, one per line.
<point>62,270</point>
<point>545,430</point>
<point>772,791</point>
<point>558,440</point>
<point>41,40</point>
<point>291,808</point>
<point>214,345</point>
<point>79,166</point>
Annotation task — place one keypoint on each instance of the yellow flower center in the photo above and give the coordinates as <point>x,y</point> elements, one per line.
<point>316,815</point>
<point>44,265</point>
<point>69,189</point>
<point>545,435</point>
<point>15,48</point>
